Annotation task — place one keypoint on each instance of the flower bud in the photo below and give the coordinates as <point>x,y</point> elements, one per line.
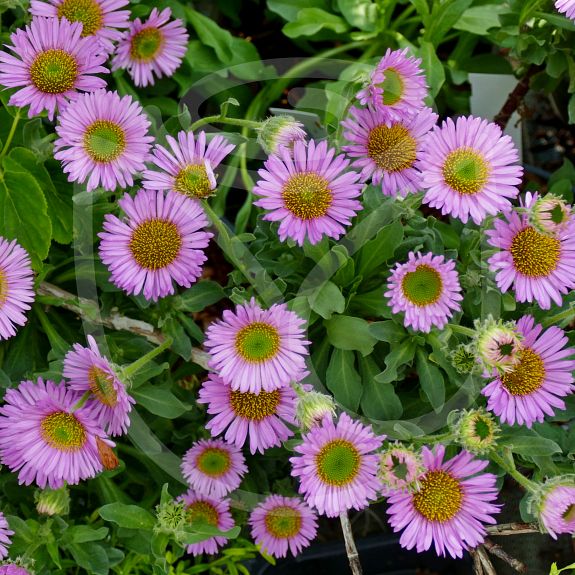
<point>52,501</point>
<point>400,467</point>
<point>554,505</point>
<point>313,407</point>
<point>476,430</point>
<point>550,214</point>
<point>497,344</point>
<point>171,516</point>
<point>280,131</point>
<point>463,359</point>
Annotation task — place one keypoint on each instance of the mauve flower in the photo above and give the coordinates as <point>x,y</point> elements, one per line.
<point>5,534</point>
<point>566,7</point>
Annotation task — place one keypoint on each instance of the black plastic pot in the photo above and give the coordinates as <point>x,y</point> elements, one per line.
<point>379,555</point>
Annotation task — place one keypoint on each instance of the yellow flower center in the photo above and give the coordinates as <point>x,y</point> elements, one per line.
<point>440,496</point>
<point>255,407</point>
<point>466,171</point>
<point>146,44</point>
<point>102,386</point>
<point>88,12</point>
<point>63,431</point>
<point>3,287</point>
<point>214,461</point>
<point>527,376</point>
<point>54,71</point>
<point>393,148</point>
<point>569,514</point>
<point>202,512</point>
<point>535,255</point>
<point>104,141</point>
<point>307,195</point>
<point>423,286</point>
<point>257,342</point>
<point>338,463</point>
<point>155,244</point>
<point>193,181</point>
<point>283,522</point>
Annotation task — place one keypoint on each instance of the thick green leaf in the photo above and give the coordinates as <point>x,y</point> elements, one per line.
<point>350,333</point>
<point>201,531</point>
<point>376,252</point>
<point>360,14</point>
<point>310,21</point>
<point>399,355</point>
<point>159,400</point>
<point>480,19</point>
<point>443,17</point>
<point>389,331</point>
<point>434,70</point>
<point>211,34</point>
<point>343,380</point>
<point>379,400</point>
<point>84,533</point>
<point>288,9</point>
<point>327,300</point>
<point>91,557</point>
<point>129,516</point>
<point>199,296</point>
<point>529,445</point>
<point>431,380</point>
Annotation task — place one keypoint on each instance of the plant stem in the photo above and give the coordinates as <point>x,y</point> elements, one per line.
<point>350,547</point>
<point>82,401</point>
<point>133,368</point>
<point>250,124</point>
<point>433,439</point>
<point>561,316</point>
<point>10,136</point>
<point>461,329</point>
<point>526,483</point>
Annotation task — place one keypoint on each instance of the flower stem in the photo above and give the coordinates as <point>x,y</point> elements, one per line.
<point>218,119</point>
<point>82,401</point>
<point>461,329</point>
<point>10,136</point>
<point>133,368</point>
<point>350,548</point>
<point>561,316</point>
<point>510,468</point>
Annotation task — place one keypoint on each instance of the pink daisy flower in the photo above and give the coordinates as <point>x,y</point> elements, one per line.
<point>154,47</point>
<point>103,138</point>
<point>88,370</point>
<point>16,286</point>
<point>99,18</point>
<point>310,194</point>
<point>539,266</point>
<point>566,7</point>
<point>254,349</point>
<point>534,386</point>
<point>387,150</point>
<point>557,513</point>
<point>189,168</point>
<point>260,417</point>
<point>281,523</point>
<point>213,467</point>
<point>200,508</point>
<point>449,509</point>
<point>336,466</point>
<point>5,533</point>
<point>46,440</point>
<point>52,65</point>
<point>396,86</point>
<point>426,289</point>
<point>13,569</point>
<point>160,241</point>
<point>470,169</point>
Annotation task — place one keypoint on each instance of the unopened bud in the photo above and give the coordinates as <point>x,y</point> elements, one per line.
<point>553,503</point>
<point>171,516</point>
<point>476,430</point>
<point>52,501</point>
<point>497,344</point>
<point>400,467</point>
<point>550,214</point>
<point>313,407</point>
<point>280,131</point>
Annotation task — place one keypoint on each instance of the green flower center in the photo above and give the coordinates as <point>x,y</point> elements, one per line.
<point>569,513</point>
<point>527,376</point>
<point>439,497</point>
<point>104,141</point>
<point>257,342</point>
<point>558,214</point>
<point>393,148</point>
<point>202,512</point>
<point>483,428</point>
<point>283,522</point>
<point>465,171</point>
<point>534,254</point>
<point>392,86</point>
<point>337,463</point>
<point>193,181</point>
<point>54,71</point>
<point>88,12</point>
<point>63,431</point>
<point>146,44</point>
<point>214,461</point>
<point>102,386</point>
<point>307,195</point>
<point>423,286</point>
<point>255,407</point>
<point>400,469</point>
<point>155,244</point>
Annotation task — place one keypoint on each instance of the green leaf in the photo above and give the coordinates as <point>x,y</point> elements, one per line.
<point>443,18</point>
<point>199,296</point>
<point>360,14</point>
<point>379,400</point>
<point>211,34</point>
<point>431,380</point>
<point>159,400</point>
<point>90,556</point>
<point>529,445</point>
<point>181,344</point>
<point>376,252</point>
<point>350,333</point>
<point>288,9</point>
<point>201,531</point>
<point>129,516</point>
<point>479,19</point>
<point>571,109</point>
<point>24,211</point>
<point>434,70</point>
<point>310,21</point>
<point>389,331</point>
<point>327,300</point>
<point>422,8</point>
<point>84,533</point>
<point>400,355</point>
<point>343,380</point>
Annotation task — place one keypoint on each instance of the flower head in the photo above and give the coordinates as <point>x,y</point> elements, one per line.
<point>13,569</point>
<point>463,359</point>
<point>155,47</point>
<point>470,169</point>
<point>555,505</point>
<point>497,344</point>
<point>253,349</point>
<point>449,509</point>
<point>260,418</point>
<point>533,388</point>
<point>313,407</point>
<point>161,240</point>
<point>5,533</point>
<point>189,168</point>
<point>46,440</point>
<point>566,7</point>
<point>336,466</point>
<point>51,64</point>
<point>281,523</point>
<point>280,131</point>
<point>16,286</point>
<point>52,501</point>
<point>213,467</point>
<point>88,370</point>
<point>476,430</point>
<point>426,289</point>
<point>400,467</point>
<point>549,214</point>
<point>310,194</point>
<point>100,19</point>
<point>387,150</point>
<point>397,86</point>
<point>103,138</point>
<point>205,510</point>
<point>539,267</point>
